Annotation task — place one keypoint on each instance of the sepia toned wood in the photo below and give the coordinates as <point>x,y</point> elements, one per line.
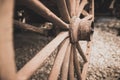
<point>67,59</point>
<point>77,6</point>
<point>58,61</point>
<point>76,64</point>
<point>71,65</point>
<point>68,9</point>
<point>93,9</point>
<point>85,66</point>
<point>84,29</point>
<point>63,10</point>
<point>65,65</point>
<point>74,25</point>
<point>39,8</point>
<point>85,13</point>
<point>71,7</point>
<point>28,27</point>
<point>81,52</point>
<point>81,7</point>
<point>7,58</point>
<point>112,4</point>
<point>40,57</point>
<point>88,17</point>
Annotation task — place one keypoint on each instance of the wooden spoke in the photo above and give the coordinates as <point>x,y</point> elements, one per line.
<point>29,27</point>
<point>77,6</point>
<point>38,7</point>
<point>58,62</point>
<point>63,10</point>
<point>66,61</point>
<point>88,17</point>
<point>81,52</point>
<point>67,58</point>
<point>85,13</point>
<point>76,64</point>
<point>65,65</point>
<point>81,7</point>
<point>93,9</point>
<point>85,67</point>
<point>41,56</point>
<point>71,7</point>
<point>71,65</point>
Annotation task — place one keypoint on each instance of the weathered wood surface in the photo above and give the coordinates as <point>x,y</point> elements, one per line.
<point>41,56</point>
<point>81,7</point>
<point>65,65</point>
<point>7,62</point>
<point>63,10</point>
<point>81,52</point>
<point>39,8</point>
<point>30,27</point>
<point>77,64</point>
<point>85,67</point>
<point>71,65</point>
<point>71,9</point>
<point>58,61</point>
<point>77,6</point>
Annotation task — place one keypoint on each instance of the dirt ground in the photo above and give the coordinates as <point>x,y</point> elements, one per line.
<point>105,55</point>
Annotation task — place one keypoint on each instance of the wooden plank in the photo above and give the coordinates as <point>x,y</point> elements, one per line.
<point>65,65</point>
<point>71,65</point>
<point>39,8</point>
<point>85,67</point>
<point>58,62</point>
<point>41,56</point>
<point>71,7</point>
<point>76,64</point>
<point>7,60</point>
<point>63,10</point>
<point>81,7</point>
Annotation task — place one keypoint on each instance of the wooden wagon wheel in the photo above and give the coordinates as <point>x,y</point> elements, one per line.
<point>78,23</point>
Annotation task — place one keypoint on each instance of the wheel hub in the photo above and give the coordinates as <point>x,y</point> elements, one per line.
<point>79,29</point>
